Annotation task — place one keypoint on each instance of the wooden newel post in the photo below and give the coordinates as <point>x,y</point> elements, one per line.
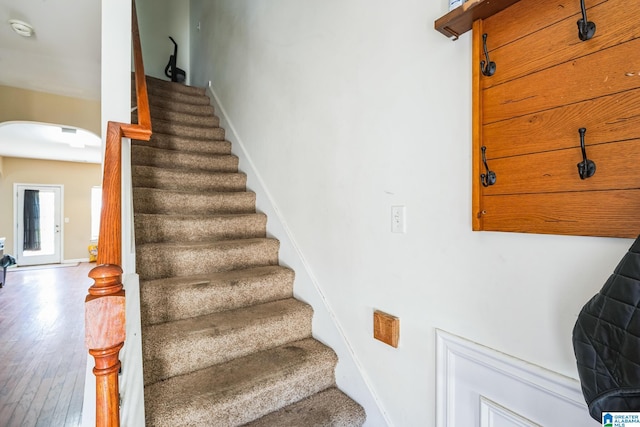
<point>104,337</point>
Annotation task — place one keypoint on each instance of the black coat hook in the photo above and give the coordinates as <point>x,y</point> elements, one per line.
<point>586,168</point>
<point>488,178</point>
<point>488,67</point>
<point>586,29</point>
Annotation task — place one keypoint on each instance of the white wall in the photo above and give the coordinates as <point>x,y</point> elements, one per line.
<point>348,108</point>
<point>159,19</point>
<point>116,106</point>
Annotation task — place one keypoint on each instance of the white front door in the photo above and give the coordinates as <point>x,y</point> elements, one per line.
<point>38,219</point>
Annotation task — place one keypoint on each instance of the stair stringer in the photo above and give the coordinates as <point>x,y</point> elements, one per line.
<point>351,377</point>
<point>130,378</point>
<point>131,381</point>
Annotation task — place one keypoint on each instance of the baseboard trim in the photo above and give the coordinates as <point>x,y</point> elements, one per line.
<point>70,261</point>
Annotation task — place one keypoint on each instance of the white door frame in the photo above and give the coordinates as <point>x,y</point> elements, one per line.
<point>17,218</point>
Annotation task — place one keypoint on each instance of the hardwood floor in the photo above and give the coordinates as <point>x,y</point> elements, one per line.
<point>42,353</point>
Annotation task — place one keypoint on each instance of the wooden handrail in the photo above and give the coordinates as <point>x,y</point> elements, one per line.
<point>105,304</point>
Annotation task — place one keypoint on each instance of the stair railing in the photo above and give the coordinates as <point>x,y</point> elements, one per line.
<point>105,304</point>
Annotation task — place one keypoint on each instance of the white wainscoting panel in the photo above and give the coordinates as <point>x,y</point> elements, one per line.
<point>494,415</point>
<point>481,387</point>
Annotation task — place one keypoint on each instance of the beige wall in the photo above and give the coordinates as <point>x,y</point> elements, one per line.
<point>77,179</point>
<point>21,104</point>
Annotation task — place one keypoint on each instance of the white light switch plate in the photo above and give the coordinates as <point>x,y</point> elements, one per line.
<point>398,219</point>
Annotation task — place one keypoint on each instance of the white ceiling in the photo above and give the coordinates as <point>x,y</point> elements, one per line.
<point>62,57</point>
<point>67,143</point>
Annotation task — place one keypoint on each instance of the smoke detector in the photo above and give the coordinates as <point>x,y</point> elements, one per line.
<point>21,27</point>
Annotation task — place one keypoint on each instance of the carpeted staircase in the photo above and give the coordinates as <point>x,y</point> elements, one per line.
<point>224,341</point>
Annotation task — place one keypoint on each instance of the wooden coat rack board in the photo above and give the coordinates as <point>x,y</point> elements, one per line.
<point>549,84</point>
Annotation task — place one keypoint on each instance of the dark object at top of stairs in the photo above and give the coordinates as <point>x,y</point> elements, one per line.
<point>171,70</point>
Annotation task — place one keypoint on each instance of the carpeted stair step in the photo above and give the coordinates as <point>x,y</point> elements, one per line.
<point>155,91</point>
<point>177,117</point>
<point>161,99</point>
<point>243,389</point>
<point>189,131</point>
<point>208,119</point>
<point>154,228</point>
<point>169,85</point>
<point>158,260</point>
<point>164,86</point>
<point>330,407</point>
<point>219,337</point>
<point>152,200</point>
<point>188,145</point>
<point>161,158</point>
<point>176,298</point>
<point>224,341</point>
<point>158,102</point>
<point>175,179</point>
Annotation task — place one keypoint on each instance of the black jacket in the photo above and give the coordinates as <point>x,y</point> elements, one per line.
<point>606,341</point>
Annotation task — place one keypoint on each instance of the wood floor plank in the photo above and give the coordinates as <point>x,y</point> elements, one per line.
<point>33,413</point>
<point>62,406</point>
<point>55,395</point>
<point>42,337</point>
<point>74,414</point>
<point>27,395</point>
<point>22,376</point>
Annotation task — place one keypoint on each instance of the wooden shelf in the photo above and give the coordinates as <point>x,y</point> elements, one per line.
<point>460,20</point>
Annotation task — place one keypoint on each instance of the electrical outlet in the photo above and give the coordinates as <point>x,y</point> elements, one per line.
<point>209,83</point>
<point>398,219</point>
